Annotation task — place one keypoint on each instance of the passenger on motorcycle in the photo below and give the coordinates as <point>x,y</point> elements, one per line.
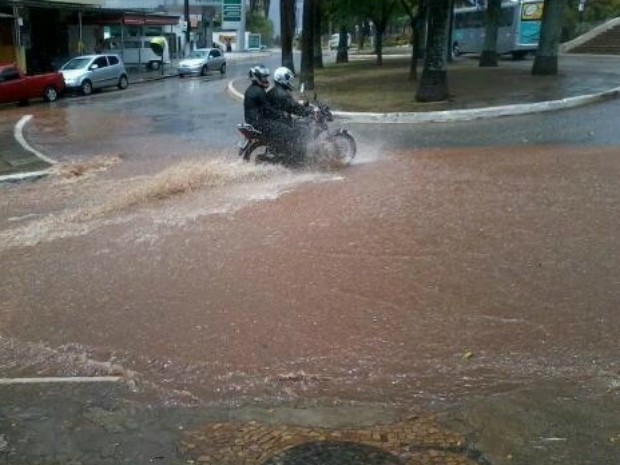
<point>281,98</point>
<point>261,114</point>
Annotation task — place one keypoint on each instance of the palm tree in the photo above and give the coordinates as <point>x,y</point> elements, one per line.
<point>489,48</point>
<point>434,83</point>
<point>546,61</point>
<point>287,26</point>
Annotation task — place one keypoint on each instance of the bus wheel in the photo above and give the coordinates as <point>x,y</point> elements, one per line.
<point>519,55</point>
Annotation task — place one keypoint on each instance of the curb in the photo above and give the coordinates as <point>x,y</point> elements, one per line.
<point>448,116</point>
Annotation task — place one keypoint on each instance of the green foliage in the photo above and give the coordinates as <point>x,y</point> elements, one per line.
<point>256,22</point>
<point>596,12</point>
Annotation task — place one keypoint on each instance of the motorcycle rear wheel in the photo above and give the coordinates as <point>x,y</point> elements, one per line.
<point>257,153</point>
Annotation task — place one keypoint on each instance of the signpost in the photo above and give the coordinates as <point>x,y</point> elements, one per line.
<point>231,14</point>
<point>233,18</point>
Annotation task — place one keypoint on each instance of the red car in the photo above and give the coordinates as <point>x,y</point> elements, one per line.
<point>15,86</point>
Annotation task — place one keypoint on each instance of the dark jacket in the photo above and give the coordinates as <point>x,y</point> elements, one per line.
<point>282,100</point>
<point>256,107</point>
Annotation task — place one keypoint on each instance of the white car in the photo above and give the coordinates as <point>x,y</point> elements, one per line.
<point>88,72</point>
<point>201,61</point>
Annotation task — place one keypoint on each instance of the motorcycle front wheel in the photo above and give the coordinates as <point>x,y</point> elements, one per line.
<point>342,149</point>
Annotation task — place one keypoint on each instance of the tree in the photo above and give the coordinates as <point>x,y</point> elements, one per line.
<point>307,45</point>
<point>342,13</point>
<point>287,27</point>
<point>546,61</point>
<point>488,57</point>
<point>260,7</point>
<point>434,83</point>
<point>416,21</point>
<point>380,11</point>
<point>342,55</point>
<point>262,25</point>
<point>318,47</point>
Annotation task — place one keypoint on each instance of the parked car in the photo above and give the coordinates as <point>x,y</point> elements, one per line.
<point>89,72</point>
<point>15,86</point>
<point>201,61</point>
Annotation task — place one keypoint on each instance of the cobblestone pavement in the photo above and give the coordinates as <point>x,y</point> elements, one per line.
<point>419,440</point>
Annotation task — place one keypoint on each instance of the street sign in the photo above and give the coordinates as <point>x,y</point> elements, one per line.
<point>231,13</point>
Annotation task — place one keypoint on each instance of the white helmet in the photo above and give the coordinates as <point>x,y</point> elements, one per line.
<point>284,77</point>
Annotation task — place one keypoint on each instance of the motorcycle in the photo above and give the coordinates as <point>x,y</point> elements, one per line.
<point>324,148</point>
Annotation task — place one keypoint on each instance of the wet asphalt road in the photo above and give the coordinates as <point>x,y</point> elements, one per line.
<point>455,266</point>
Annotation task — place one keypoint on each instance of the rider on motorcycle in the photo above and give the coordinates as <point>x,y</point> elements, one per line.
<point>281,99</point>
<point>260,113</point>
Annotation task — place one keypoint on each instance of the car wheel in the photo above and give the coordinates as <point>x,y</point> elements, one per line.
<point>204,70</point>
<point>123,82</point>
<point>86,87</point>
<point>223,68</point>
<point>50,94</point>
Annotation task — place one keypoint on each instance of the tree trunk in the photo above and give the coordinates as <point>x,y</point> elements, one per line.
<point>379,30</point>
<point>488,58</point>
<point>450,29</point>
<point>307,45</point>
<point>318,49</point>
<point>417,24</point>
<point>546,61</point>
<point>342,56</point>
<point>434,83</point>
<point>266,5</point>
<point>287,26</point>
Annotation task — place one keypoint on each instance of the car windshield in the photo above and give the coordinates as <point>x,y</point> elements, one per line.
<point>197,54</point>
<point>76,63</point>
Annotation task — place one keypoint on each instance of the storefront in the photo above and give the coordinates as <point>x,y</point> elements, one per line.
<point>8,50</point>
<point>41,35</point>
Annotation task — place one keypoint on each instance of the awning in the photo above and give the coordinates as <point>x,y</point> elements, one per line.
<point>151,20</point>
<point>130,19</point>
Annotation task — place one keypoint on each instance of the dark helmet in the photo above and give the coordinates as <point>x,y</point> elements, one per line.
<point>260,75</point>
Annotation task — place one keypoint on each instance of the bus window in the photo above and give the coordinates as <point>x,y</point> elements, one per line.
<point>508,16</point>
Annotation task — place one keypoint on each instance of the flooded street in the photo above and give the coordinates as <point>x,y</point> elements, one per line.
<point>417,278</point>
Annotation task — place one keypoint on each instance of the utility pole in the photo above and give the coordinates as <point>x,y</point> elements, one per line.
<point>187,22</point>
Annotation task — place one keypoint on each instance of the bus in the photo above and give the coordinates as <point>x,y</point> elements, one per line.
<point>518,33</point>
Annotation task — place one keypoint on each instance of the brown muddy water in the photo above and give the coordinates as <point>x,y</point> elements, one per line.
<point>419,277</point>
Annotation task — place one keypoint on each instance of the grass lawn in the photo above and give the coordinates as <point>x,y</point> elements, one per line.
<point>361,85</point>
<point>364,86</point>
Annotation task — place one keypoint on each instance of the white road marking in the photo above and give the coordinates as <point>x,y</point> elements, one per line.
<point>23,176</point>
<point>70,379</point>
<point>19,136</point>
